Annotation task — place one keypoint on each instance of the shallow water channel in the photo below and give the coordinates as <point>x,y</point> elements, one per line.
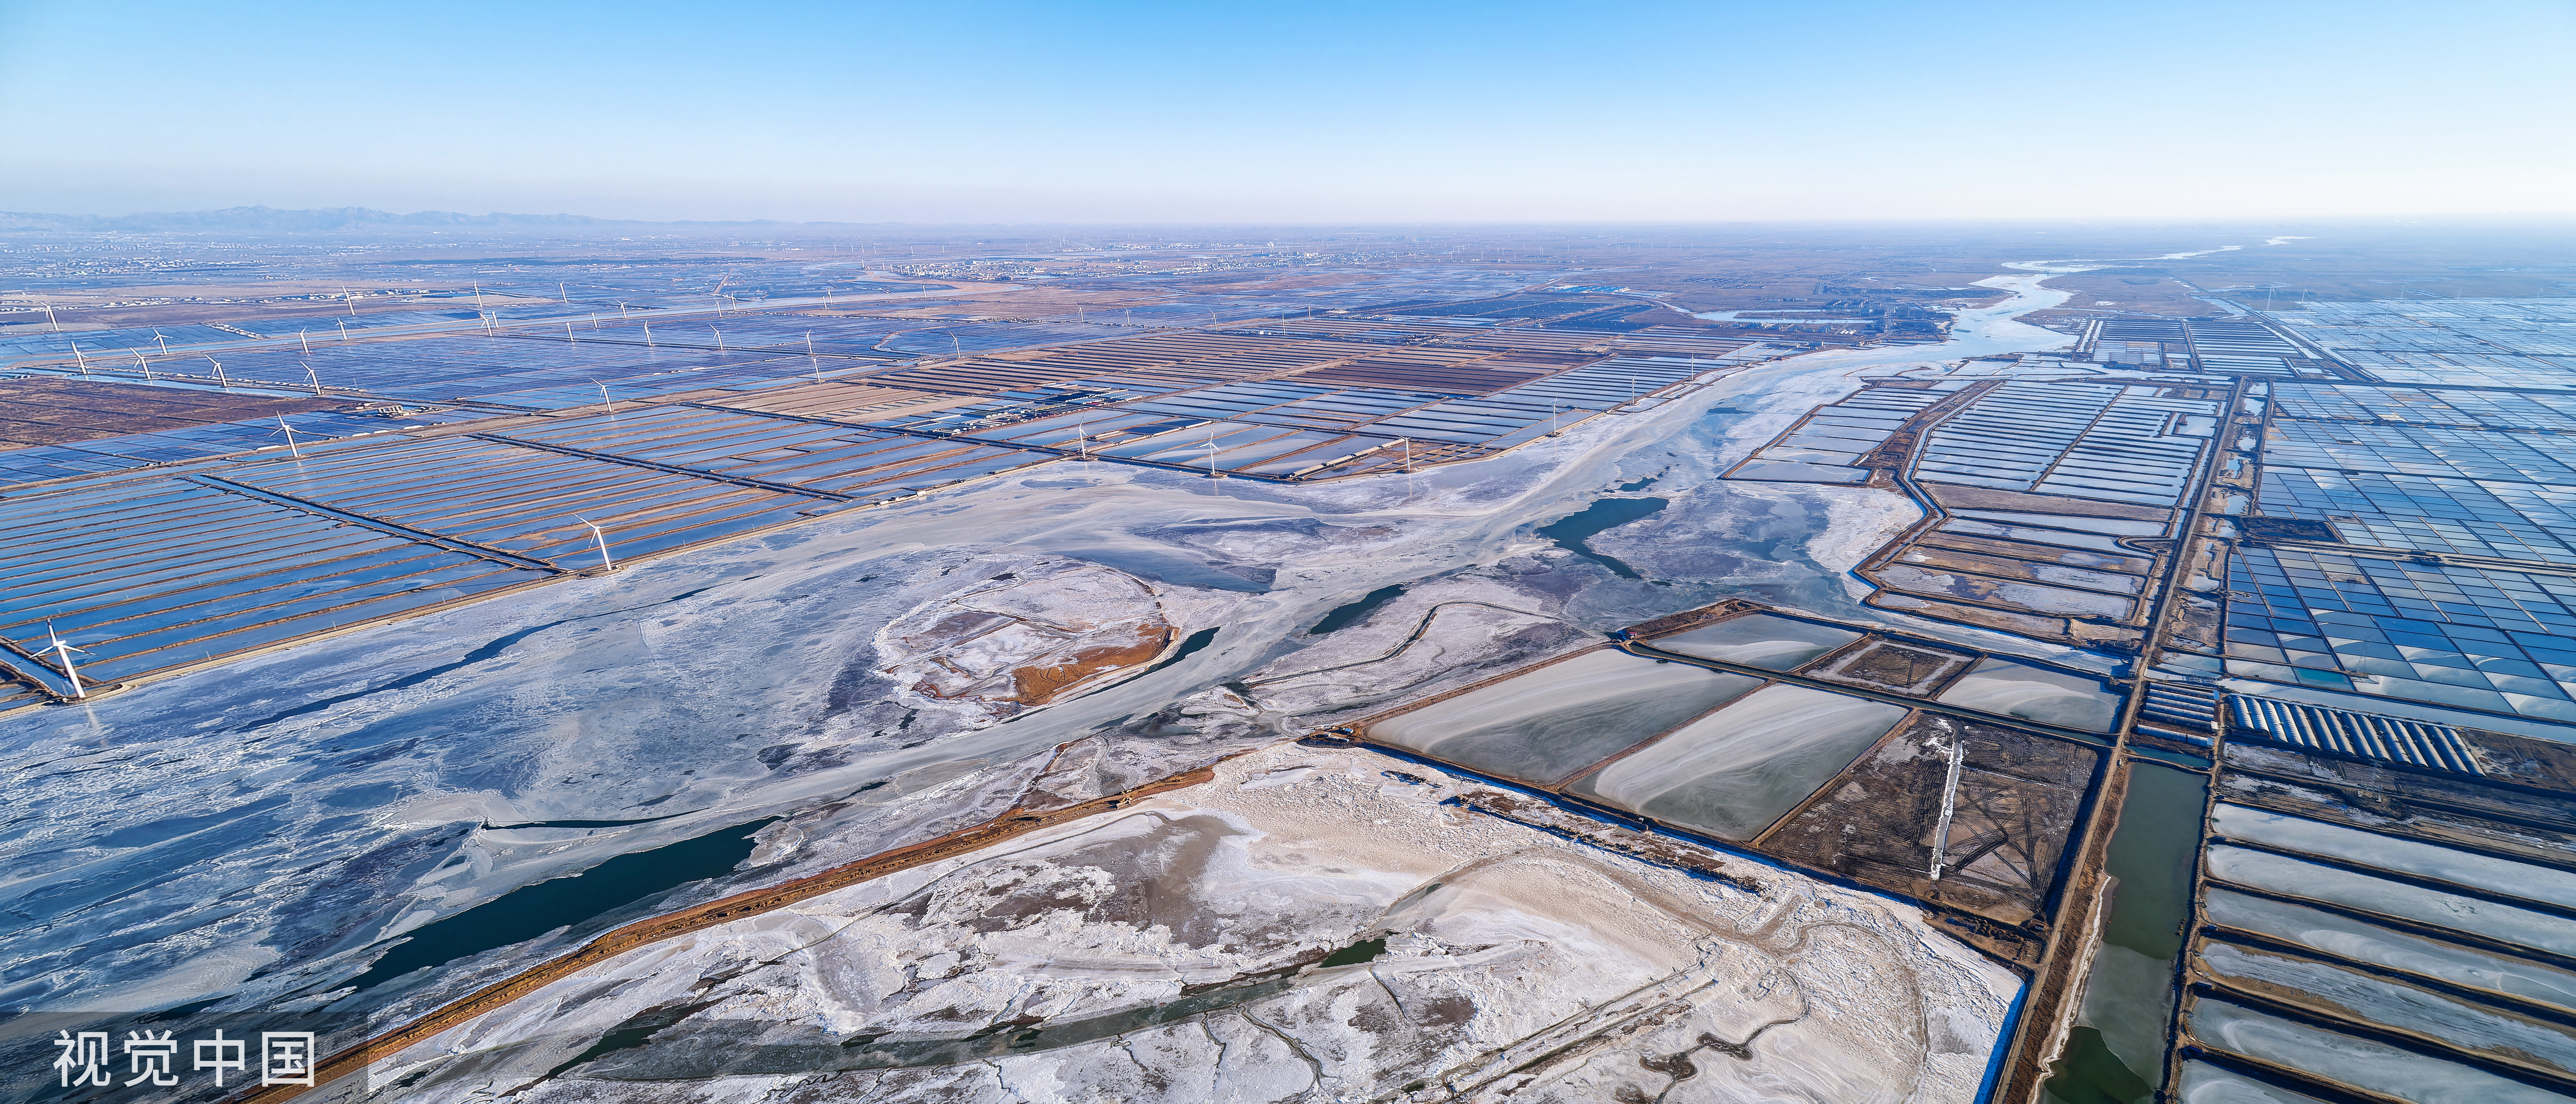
<point>2116,1050</point>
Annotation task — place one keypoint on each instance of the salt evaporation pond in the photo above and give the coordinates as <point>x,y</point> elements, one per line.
<point>362,764</point>
<point>2058,537</point>
<point>2363,941</point>
<point>2334,885</point>
<point>1760,640</point>
<point>2403,1074</point>
<point>2203,1083</point>
<point>1735,771</point>
<point>2391,1004</point>
<point>2108,526</point>
<point>1546,724</point>
<point>2035,694</point>
<point>2538,883</point>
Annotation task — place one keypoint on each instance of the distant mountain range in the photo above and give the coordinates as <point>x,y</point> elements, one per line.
<point>338,220</point>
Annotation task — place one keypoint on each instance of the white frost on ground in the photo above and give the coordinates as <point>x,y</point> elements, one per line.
<point>1859,521</point>
<point>1437,634</point>
<point>1046,629</point>
<point>251,835</point>
<point>1172,952</point>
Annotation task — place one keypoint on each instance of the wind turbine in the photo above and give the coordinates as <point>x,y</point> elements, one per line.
<point>219,373</point>
<point>603,396</point>
<point>78,359</point>
<point>290,437</point>
<point>309,375</point>
<point>307,345</point>
<point>63,649</point>
<point>146,362</point>
<point>605,564</point>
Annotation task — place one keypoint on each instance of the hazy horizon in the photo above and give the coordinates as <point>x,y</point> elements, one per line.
<point>2239,224</point>
<point>1332,115</point>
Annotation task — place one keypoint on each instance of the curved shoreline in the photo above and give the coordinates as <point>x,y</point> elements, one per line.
<point>1968,340</point>
<point>353,1060</point>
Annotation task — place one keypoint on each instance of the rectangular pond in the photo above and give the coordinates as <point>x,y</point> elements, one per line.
<point>1543,725</point>
<point>2036,694</point>
<point>1760,640</point>
<point>2362,941</point>
<point>1735,771</point>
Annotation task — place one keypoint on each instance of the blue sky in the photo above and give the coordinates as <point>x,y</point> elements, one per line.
<point>1315,112</point>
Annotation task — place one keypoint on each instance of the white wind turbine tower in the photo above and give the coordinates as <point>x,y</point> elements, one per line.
<point>311,376</point>
<point>78,359</point>
<point>220,381</point>
<point>605,564</point>
<point>63,650</point>
<point>140,359</point>
<point>290,438</point>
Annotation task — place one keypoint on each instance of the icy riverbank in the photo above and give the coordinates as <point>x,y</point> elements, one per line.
<point>307,806</point>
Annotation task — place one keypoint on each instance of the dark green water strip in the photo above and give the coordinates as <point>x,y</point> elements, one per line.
<point>533,910</point>
<point>2129,997</point>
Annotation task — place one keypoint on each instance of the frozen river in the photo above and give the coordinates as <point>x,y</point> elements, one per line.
<point>238,841</point>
